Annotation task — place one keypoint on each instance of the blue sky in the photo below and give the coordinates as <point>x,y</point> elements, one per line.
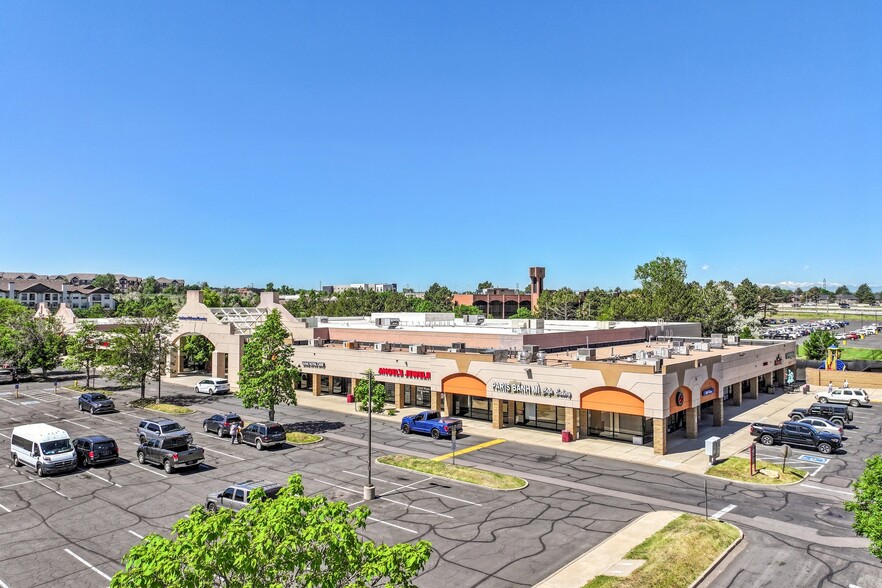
<point>413,142</point>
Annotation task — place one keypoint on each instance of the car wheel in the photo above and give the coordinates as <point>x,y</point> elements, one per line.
<point>795,418</point>
<point>92,410</point>
<point>141,459</point>
<point>142,438</point>
<point>211,507</point>
<point>205,427</point>
<point>436,434</point>
<point>196,389</point>
<point>40,470</point>
<point>825,448</point>
<point>211,391</point>
<point>167,466</point>
<point>15,461</point>
<point>405,429</point>
<point>767,440</point>
<point>822,400</point>
<point>855,403</point>
<point>80,406</point>
<point>839,422</point>
<point>258,444</point>
<point>220,432</point>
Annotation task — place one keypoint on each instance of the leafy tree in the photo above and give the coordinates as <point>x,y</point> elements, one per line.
<point>463,309</point>
<point>485,285</point>
<point>816,344</point>
<point>438,298</point>
<point>139,350</point>
<point>106,281</point>
<point>664,291</point>
<point>560,304</point>
<point>864,294</point>
<point>94,311</point>
<point>196,350</point>
<point>268,375</point>
<point>85,350</point>
<point>377,396</point>
<point>12,316</point>
<point>843,289</point>
<point>745,333</point>
<point>210,298</point>
<point>292,541</point>
<point>747,298</point>
<point>716,313</point>
<point>800,295</point>
<point>149,286</point>
<point>397,302</point>
<point>41,343</point>
<point>593,304</point>
<point>867,504</point>
<point>766,300</point>
<point>523,313</point>
<point>270,287</point>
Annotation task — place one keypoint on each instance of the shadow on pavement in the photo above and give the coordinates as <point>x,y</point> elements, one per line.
<point>314,427</point>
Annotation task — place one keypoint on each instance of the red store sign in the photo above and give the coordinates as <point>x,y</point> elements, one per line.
<point>397,373</point>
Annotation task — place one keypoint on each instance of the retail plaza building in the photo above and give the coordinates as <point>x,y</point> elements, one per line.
<point>633,381</point>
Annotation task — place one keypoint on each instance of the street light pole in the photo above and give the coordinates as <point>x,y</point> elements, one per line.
<point>369,490</point>
<point>159,374</point>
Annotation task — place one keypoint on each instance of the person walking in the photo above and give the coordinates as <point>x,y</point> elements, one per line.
<point>830,388</point>
<point>234,433</point>
<point>845,383</point>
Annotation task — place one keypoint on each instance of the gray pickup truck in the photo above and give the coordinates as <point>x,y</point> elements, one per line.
<point>170,452</point>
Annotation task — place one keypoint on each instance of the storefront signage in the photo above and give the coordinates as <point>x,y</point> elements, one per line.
<point>192,318</point>
<point>320,365</point>
<point>398,373</point>
<point>707,391</point>
<point>530,389</point>
<point>680,399</point>
<point>778,360</point>
<point>790,355</point>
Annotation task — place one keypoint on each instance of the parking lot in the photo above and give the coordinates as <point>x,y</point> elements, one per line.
<point>73,529</point>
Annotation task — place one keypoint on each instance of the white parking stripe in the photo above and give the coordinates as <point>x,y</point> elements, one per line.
<point>87,472</point>
<point>827,489</point>
<point>2,585</point>
<point>51,416</point>
<point>77,424</point>
<point>4,508</point>
<point>417,489</point>
<point>148,470</point>
<point>136,535</point>
<point>48,488</point>
<point>405,505</point>
<point>222,453</point>
<point>723,511</point>
<point>336,486</point>
<point>392,525</point>
<point>17,484</point>
<point>7,436</point>
<point>88,565</point>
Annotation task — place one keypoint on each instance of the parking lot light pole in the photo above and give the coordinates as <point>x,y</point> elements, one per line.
<point>369,491</point>
<point>159,374</point>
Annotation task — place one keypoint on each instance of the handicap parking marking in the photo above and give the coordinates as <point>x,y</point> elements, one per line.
<point>813,459</point>
<point>28,402</point>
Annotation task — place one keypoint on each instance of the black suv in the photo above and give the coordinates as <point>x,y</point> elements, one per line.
<point>221,423</point>
<point>95,450</point>
<point>835,413</point>
<point>263,434</point>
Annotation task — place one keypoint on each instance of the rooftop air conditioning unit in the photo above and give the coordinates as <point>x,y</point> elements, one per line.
<point>680,350</point>
<point>663,353</point>
<point>586,354</point>
<point>458,346</point>
<point>420,349</point>
<point>316,342</point>
<point>350,345</point>
<point>474,319</point>
<point>702,346</point>
<point>716,341</point>
<point>655,362</point>
<point>500,355</point>
<point>641,355</point>
<point>733,340</point>
<point>382,347</point>
<point>524,356</point>
<point>541,358</point>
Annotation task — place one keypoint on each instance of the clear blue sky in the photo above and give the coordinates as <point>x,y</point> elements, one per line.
<point>456,142</point>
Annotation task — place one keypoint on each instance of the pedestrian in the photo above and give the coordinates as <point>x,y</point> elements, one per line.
<point>845,383</point>
<point>234,433</point>
<point>830,388</point>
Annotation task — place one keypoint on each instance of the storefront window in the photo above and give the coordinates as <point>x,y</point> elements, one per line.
<point>423,396</point>
<point>390,392</point>
<point>541,416</point>
<point>471,407</point>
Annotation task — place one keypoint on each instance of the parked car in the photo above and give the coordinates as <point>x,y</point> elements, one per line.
<point>170,452</point>
<point>823,425</point>
<point>793,433</point>
<point>95,403</point>
<point>236,497</point>
<point>221,423</point>
<point>213,386</point>
<point>430,421</point>
<point>10,374</point>
<point>264,434</point>
<point>835,413</point>
<point>43,448</point>
<point>850,396</point>
<point>95,450</point>
<point>161,428</point>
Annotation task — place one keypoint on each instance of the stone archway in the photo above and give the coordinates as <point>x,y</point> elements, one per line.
<point>194,354</point>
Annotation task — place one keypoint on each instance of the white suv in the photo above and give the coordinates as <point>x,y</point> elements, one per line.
<point>851,396</point>
<point>213,386</point>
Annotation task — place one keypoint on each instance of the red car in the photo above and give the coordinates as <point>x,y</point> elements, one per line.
<point>852,336</point>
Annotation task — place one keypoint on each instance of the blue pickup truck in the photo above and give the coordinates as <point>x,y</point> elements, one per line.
<point>430,421</point>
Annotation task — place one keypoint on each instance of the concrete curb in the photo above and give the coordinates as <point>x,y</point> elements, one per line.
<point>701,578</point>
<point>388,465</point>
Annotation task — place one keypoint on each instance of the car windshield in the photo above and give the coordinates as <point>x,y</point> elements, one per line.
<point>171,428</point>
<point>275,429</point>
<point>55,447</point>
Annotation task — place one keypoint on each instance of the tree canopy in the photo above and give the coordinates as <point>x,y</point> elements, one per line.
<point>816,344</point>
<point>864,294</point>
<point>268,376</point>
<point>106,281</point>
<point>138,351</point>
<point>485,285</point>
<point>867,505</point>
<point>291,541</point>
<point>377,394</point>
<point>85,350</point>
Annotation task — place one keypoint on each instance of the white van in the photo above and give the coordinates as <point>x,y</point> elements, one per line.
<point>44,448</point>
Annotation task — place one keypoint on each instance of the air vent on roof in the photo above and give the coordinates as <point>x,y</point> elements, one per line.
<point>733,340</point>
<point>316,342</point>
<point>420,349</point>
<point>541,358</point>
<point>702,346</point>
<point>382,347</point>
<point>458,346</point>
<point>350,345</point>
<point>716,341</point>
<point>588,354</point>
<point>664,353</point>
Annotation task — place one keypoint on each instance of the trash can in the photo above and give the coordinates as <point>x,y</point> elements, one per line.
<point>350,398</point>
<point>806,389</point>
<point>566,436</point>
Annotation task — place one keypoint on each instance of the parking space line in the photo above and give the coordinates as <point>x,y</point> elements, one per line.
<point>4,508</point>
<point>7,436</point>
<point>416,489</point>
<point>17,484</point>
<point>88,565</point>
<point>827,489</point>
<point>723,511</point>
<point>9,401</point>
<point>87,472</point>
<point>51,416</point>
<point>336,486</point>
<point>222,453</point>
<point>469,449</point>
<point>48,488</point>
<point>392,525</point>
<point>405,505</point>
<point>140,467</point>
<point>77,424</point>
<point>2,585</point>
<point>136,535</point>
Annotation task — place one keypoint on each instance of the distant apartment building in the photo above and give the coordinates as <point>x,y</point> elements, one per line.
<point>124,283</point>
<point>52,293</point>
<point>372,287</point>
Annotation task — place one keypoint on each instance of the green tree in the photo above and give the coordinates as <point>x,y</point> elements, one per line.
<point>270,287</point>
<point>397,302</point>
<point>94,311</point>
<point>665,294</point>
<point>463,309</point>
<point>268,376</point>
<point>485,285</point>
<point>746,333</point>
<point>12,316</point>
<point>716,312</point>
<point>377,396</point>
<point>766,302</point>
<point>85,350</point>
<point>291,541</point>
<point>867,504</point>
<point>594,302</point>
<point>196,350</point>
<point>106,281</point>
<point>560,304</point>
<point>41,343</point>
<point>149,286</point>
<point>210,298</point>
<point>523,313</point>
<point>816,344</point>
<point>864,294</point>
<point>438,298</point>
<point>843,289</point>
<point>139,351</point>
<point>747,298</point>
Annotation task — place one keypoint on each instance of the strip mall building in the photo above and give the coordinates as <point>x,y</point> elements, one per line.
<point>635,382</point>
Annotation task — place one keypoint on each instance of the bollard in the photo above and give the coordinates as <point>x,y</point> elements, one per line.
<point>16,390</point>
<point>56,386</point>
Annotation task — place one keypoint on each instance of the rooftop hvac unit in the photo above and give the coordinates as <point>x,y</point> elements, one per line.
<point>586,354</point>
<point>702,346</point>
<point>524,357</point>
<point>663,353</point>
<point>534,349</point>
<point>458,346</point>
<point>387,322</point>
<point>733,340</point>
<point>382,347</point>
<point>321,319</point>
<point>473,319</point>
<point>350,345</point>
<point>641,355</point>
<point>716,341</point>
<point>420,349</point>
<point>500,355</point>
<point>680,350</point>
<point>655,362</point>
<point>677,343</point>
<point>316,342</point>
<point>541,358</point>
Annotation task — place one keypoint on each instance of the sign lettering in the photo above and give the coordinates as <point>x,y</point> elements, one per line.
<point>707,391</point>
<point>399,373</point>
<point>320,365</point>
<point>192,318</point>
<point>531,390</point>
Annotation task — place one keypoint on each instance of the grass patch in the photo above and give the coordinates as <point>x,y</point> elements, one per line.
<point>849,353</point>
<point>452,472</point>
<point>676,555</point>
<point>151,404</point>
<point>82,389</point>
<point>302,438</point>
<point>738,469</point>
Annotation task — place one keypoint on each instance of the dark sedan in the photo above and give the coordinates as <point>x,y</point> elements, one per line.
<point>95,403</point>
<point>95,450</point>
<point>263,434</point>
<point>221,423</point>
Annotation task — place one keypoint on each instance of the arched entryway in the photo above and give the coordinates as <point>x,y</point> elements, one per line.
<point>194,354</point>
<point>615,413</point>
<point>466,396</point>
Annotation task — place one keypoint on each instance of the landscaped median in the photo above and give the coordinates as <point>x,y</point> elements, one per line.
<point>298,438</point>
<point>676,556</point>
<point>738,470</point>
<point>452,472</point>
<point>151,404</point>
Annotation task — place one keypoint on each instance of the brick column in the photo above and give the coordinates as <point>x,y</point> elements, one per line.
<point>736,394</point>
<point>353,382</point>
<point>511,412</point>
<point>583,423</point>
<point>718,412</point>
<point>692,422</point>
<point>660,436</point>
<point>571,421</point>
<point>330,384</point>
<point>316,384</point>
<point>399,395</point>
<point>496,409</point>
<point>754,388</point>
<point>435,402</point>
